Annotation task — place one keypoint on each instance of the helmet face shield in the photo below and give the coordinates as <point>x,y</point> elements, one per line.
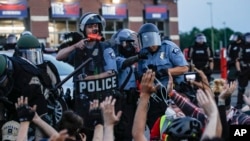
<point>233,38</point>
<point>91,18</point>
<point>33,55</point>
<point>11,40</point>
<point>247,39</point>
<point>148,39</point>
<point>201,39</point>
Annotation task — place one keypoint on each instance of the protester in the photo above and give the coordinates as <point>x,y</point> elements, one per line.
<point>26,115</point>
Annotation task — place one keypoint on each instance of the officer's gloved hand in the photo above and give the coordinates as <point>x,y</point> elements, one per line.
<point>161,73</point>
<point>152,67</point>
<point>209,71</point>
<point>238,73</point>
<point>142,56</point>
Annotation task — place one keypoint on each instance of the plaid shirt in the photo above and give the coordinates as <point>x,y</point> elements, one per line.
<point>236,117</point>
<point>188,108</point>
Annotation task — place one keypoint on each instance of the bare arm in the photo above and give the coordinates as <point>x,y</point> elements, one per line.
<point>30,115</point>
<point>110,119</point>
<point>49,130</point>
<point>23,131</point>
<point>237,64</point>
<point>98,129</point>
<point>207,102</point>
<point>98,133</point>
<point>147,88</point>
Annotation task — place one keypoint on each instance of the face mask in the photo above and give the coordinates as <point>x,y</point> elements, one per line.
<point>128,50</point>
<point>170,113</point>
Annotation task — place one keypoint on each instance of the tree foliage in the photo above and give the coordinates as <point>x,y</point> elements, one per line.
<point>221,37</point>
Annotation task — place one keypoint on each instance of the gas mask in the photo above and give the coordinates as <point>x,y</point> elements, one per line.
<point>127,49</point>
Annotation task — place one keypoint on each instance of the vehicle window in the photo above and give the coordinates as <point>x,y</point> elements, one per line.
<point>62,67</point>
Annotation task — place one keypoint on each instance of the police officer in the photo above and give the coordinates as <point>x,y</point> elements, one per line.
<point>20,78</point>
<point>98,70</point>
<point>28,47</point>
<point>127,56</point>
<point>243,68</point>
<point>236,40</point>
<point>201,55</point>
<point>163,57</point>
<point>10,42</point>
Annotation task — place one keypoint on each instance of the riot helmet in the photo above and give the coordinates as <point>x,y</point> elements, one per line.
<point>235,37</point>
<point>247,38</point>
<point>200,38</point>
<point>91,18</point>
<point>184,128</point>
<point>29,47</point>
<point>125,42</point>
<point>10,42</point>
<point>26,33</point>
<point>149,35</point>
<point>6,69</point>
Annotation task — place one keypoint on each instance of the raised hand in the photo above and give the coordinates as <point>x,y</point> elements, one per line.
<point>109,115</point>
<point>24,111</point>
<point>228,90</point>
<point>147,82</point>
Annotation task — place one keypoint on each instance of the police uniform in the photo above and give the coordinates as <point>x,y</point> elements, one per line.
<point>103,60</point>
<point>126,60</point>
<point>127,86</point>
<point>244,76</point>
<point>24,81</point>
<point>232,51</point>
<point>167,56</point>
<point>200,56</point>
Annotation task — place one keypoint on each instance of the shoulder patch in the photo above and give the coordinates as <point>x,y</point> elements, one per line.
<point>176,50</point>
<point>112,54</point>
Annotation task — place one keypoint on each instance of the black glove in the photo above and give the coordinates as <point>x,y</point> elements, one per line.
<point>161,73</point>
<point>209,71</point>
<point>238,73</point>
<point>72,38</point>
<point>25,113</point>
<point>95,117</point>
<point>142,56</point>
<point>152,67</point>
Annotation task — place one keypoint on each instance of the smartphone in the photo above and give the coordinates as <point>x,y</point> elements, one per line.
<point>191,76</point>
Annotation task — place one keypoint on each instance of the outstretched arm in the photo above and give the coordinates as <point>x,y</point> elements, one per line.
<point>110,118</point>
<point>147,88</point>
<point>27,114</point>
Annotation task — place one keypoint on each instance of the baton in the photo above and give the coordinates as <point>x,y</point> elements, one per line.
<point>74,72</point>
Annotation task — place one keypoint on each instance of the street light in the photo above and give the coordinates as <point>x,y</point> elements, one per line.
<point>225,34</point>
<point>212,28</point>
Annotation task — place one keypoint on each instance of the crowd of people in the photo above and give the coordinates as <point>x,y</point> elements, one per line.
<point>134,80</point>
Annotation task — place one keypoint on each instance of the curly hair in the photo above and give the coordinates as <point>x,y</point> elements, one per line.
<point>72,122</point>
